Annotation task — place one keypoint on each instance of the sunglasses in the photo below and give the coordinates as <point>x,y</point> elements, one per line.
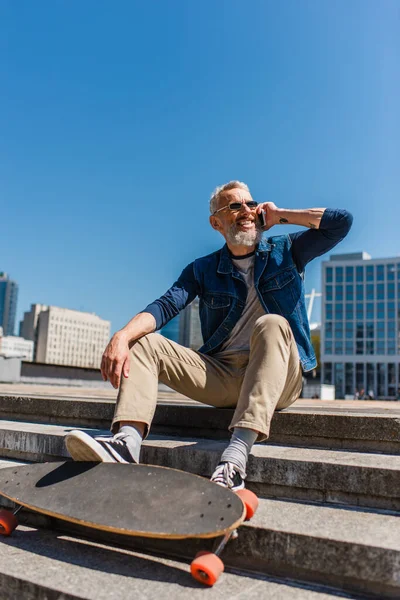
<point>235,206</point>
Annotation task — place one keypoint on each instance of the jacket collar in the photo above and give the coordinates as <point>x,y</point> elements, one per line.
<point>225,262</point>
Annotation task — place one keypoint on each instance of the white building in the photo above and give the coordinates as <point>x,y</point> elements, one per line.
<point>17,347</point>
<point>360,337</point>
<point>67,337</point>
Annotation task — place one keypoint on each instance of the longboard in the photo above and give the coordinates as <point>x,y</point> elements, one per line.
<point>137,500</point>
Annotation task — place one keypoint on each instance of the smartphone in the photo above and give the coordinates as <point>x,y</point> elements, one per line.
<point>261,217</point>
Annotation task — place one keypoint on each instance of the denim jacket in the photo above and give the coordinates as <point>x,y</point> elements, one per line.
<point>278,279</point>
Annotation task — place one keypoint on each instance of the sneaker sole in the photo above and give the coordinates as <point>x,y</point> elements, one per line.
<point>82,447</point>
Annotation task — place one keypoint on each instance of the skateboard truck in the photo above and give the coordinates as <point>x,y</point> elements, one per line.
<point>51,489</point>
<point>207,566</point>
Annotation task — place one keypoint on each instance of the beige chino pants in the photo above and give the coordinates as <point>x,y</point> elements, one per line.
<point>266,378</point>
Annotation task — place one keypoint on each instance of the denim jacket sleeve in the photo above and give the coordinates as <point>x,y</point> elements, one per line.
<point>306,245</point>
<point>180,294</point>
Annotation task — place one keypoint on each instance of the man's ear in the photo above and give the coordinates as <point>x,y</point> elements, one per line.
<point>215,224</point>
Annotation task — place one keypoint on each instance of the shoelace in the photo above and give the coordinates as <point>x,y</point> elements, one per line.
<point>224,475</point>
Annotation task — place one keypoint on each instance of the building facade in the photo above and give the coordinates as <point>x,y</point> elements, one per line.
<point>189,326</point>
<point>8,304</point>
<point>28,327</point>
<point>360,336</point>
<point>16,347</point>
<point>70,337</point>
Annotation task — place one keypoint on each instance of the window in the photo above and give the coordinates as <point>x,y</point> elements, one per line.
<point>349,312</point>
<point>370,291</point>
<point>339,293</point>
<point>380,310</point>
<point>369,347</point>
<point>329,312</point>
<point>370,377</point>
<point>359,347</point>
<point>381,379</point>
<point>380,291</point>
<point>338,378</point>
<point>328,347</point>
<point>370,273</point>
<point>329,294</point>
<point>360,292</point>
<point>349,330</point>
<point>349,347</point>
<point>327,377</point>
<point>390,271</point>
<point>328,330</point>
<point>370,310</point>
<point>349,274</point>
<point>339,274</point>
<point>380,347</point>
<point>360,311</point>
<point>349,292</point>
<point>339,330</point>
<point>338,347</point>
<point>359,274</point>
<point>360,376</point>
<point>390,310</point>
<point>380,273</point>
<point>390,291</point>
<point>360,330</point>
<point>349,379</point>
<point>339,311</point>
<point>380,329</point>
<point>370,331</point>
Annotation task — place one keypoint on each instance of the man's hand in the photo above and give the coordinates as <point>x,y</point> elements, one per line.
<point>116,359</point>
<point>270,214</point>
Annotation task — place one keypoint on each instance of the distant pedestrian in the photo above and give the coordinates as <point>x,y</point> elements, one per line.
<point>371,394</point>
<point>356,394</point>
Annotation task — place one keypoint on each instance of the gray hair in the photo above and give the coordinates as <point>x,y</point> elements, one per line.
<point>218,192</point>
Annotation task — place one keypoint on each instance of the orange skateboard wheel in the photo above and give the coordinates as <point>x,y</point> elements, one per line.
<point>250,501</point>
<point>8,522</point>
<point>206,568</point>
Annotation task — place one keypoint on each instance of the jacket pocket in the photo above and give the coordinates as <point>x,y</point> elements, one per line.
<point>281,292</point>
<point>216,300</point>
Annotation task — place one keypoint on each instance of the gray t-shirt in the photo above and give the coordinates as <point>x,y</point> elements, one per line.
<point>239,339</point>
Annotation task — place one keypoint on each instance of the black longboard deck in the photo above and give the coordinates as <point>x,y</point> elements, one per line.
<point>142,500</point>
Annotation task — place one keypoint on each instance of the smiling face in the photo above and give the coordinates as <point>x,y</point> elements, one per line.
<point>241,229</point>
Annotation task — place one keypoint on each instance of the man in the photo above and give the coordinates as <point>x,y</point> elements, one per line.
<point>254,325</point>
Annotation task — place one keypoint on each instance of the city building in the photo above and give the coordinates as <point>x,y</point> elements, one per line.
<point>360,336</point>
<point>171,329</point>
<point>66,337</point>
<point>16,347</point>
<point>8,303</point>
<point>28,328</point>
<point>189,326</point>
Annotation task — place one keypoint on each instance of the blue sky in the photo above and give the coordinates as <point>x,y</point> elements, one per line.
<point>118,119</point>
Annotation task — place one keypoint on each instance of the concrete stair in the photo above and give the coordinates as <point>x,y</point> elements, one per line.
<point>329,513</point>
<point>46,565</point>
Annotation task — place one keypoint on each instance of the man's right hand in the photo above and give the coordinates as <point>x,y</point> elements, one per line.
<point>116,359</point>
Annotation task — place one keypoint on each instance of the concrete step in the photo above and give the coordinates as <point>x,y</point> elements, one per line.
<point>353,551</point>
<point>355,478</point>
<point>300,425</point>
<point>41,564</point>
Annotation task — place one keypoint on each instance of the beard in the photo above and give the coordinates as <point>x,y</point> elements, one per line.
<point>244,238</point>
